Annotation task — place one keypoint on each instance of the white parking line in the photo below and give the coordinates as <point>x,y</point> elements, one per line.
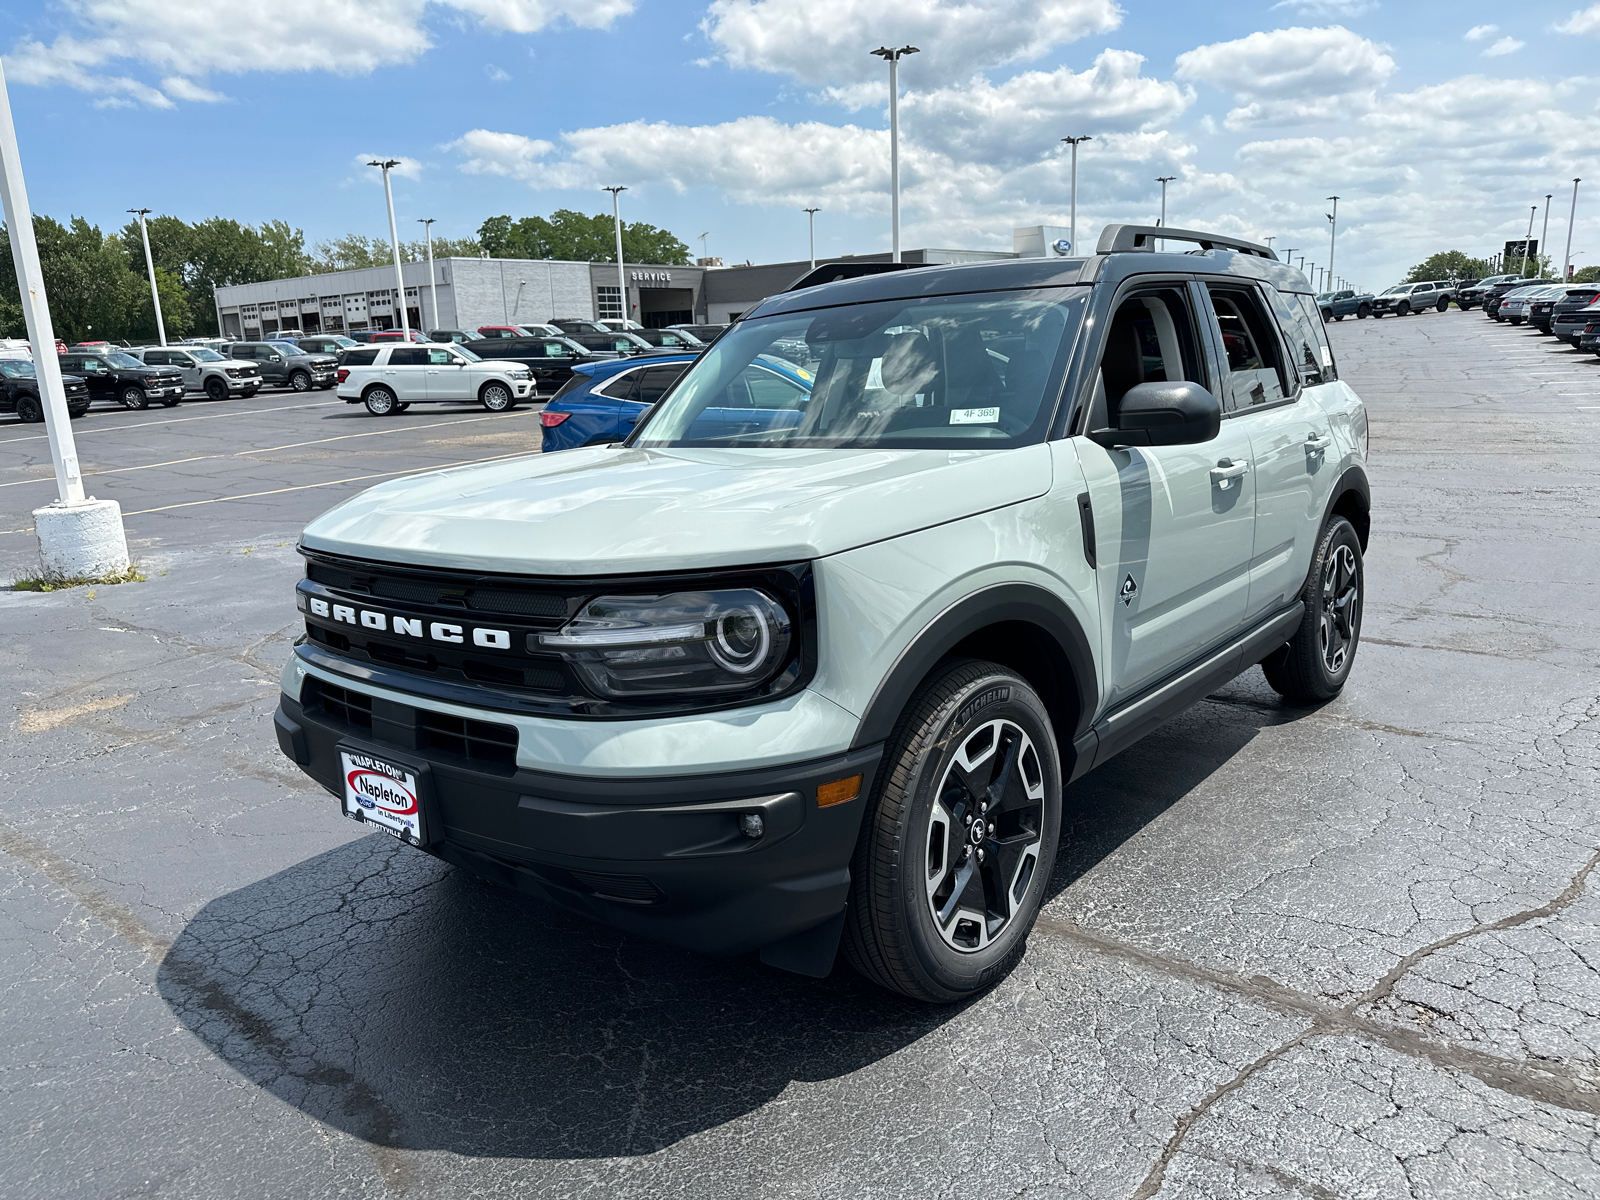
<point>238,412</point>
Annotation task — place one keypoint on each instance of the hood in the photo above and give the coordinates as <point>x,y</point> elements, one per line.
<point>318,358</point>
<point>602,511</point>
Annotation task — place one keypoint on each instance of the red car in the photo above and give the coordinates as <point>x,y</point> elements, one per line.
<point>396,335</point>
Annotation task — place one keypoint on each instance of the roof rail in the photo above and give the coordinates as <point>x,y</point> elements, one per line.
<point>1116,239</point>
<point>832,272</point>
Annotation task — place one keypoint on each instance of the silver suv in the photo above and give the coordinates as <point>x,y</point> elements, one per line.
<point>204,370</point>
<point>287,365</point>
<point>802,666</point>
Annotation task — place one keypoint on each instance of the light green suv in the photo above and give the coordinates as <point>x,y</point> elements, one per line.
<point>789,671</point>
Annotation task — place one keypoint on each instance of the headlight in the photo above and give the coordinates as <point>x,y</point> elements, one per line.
<point>519,374</point>
<point>684,642</point>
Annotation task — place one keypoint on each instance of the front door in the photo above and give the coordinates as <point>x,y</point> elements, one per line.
<point>450,377</point>
<point>103,384</point>
<point>1174,524</point>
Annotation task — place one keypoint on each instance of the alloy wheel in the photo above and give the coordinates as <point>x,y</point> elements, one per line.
<point>1341,608</point>
<point>300,381</point>
<point>983,835</point>
<point>496,397</point>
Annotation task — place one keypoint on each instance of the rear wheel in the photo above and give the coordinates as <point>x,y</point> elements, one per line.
<point>1443,304</point>
<point>496,397</point>
<point>956,851</point>
<point>1315,663</point>
<point>134,397</point>
<point>216,389</point>
<point>380,401</point>
<point>1363,312</point>
<point>29,409</point>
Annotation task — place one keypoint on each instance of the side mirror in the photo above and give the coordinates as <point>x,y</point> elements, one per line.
<point>1163,414</point>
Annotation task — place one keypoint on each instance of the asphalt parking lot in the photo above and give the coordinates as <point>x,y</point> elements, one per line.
<point>1344,952</point>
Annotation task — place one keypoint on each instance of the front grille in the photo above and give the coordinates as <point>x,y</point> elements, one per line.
<point>551,606</point>
<point>407,728</point>
<point>479,740</point>
<point>351,708</point>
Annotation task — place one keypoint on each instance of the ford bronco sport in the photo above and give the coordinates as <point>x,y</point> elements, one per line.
<point>802,667</point>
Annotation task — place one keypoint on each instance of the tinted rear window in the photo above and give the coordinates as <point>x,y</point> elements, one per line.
<point>359,358</point>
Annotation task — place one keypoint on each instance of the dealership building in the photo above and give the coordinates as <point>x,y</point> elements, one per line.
<point>466,293</point>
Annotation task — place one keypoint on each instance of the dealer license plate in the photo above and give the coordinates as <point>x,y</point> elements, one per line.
<point>383,794</point>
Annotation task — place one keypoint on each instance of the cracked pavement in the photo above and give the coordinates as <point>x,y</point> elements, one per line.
<point>1342,952</point>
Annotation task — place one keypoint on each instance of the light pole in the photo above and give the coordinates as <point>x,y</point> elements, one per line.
<point>1073,142</point>
<point>1288,254</point>
<point>1544,235</point>
<point>893,57</point>
<point>78,537</point>
<point>1270,240</point>
<point>433,281</point>
<point>616,218</point>
<point>150,266</point>
<point>705,247</point>
<point>1566,259</point>
<point>394,244</point>
<point>1333,229</point>
<point>1533,211</point>
<point>1163,180</point>
<point>811,217</point>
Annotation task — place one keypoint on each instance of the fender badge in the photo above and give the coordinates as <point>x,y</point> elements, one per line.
<point>1128,591</point>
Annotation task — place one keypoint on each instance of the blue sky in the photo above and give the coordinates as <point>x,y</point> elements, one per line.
<point>1436,126</point>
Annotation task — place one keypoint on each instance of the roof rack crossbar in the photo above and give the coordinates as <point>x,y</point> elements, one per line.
<point>1117,239</point>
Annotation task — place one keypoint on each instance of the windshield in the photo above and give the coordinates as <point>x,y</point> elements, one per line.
<point>205,355</point>
<point>1402,290</point>
<point>17,368</point>
<point>123,360</point>
<point>953,372</point>
<point>286,347</point>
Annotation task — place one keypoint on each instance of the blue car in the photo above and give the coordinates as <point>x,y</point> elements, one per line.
<point>603,401</point>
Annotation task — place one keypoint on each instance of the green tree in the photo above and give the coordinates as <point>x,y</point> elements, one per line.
<point>175,312</point>
<point>1447,264</point>
<point>91,290</point>
<point>1587,275</point>
<point>572,237</point>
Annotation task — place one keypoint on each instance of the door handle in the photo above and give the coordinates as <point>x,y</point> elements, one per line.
<point>1226,471</point>
<point>1316,445</point>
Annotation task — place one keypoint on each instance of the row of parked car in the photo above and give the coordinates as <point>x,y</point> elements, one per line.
<point>1568,311</point>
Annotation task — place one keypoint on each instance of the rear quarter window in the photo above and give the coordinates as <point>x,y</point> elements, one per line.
<point>360,358</point>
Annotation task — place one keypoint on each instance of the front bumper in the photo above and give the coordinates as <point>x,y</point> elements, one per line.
<point>664,858</point>
<point>157,393</point>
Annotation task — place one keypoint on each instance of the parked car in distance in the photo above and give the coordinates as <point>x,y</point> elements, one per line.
<point>1470,294</point>
<point>1516,305</point>
<point>326,343</point>
<point>617,342</point>
<point>204,370</point>
<point>571,325</point>
<point>1492,299</point>
<point>119,377</point>
<point>615,323</point>
<point>603,401</point>
<point>550,359</point>
<point>19,391</point>
<point>459,336</point>
<point>512,331</point>
<point>1336,306</point>
<point>399,335</point>
<point>1406,298</point>
<point>706,333</point>
<point>1588,336</point>
<point>1569,315</point>
<point>283,364</point>
<point>669,339</point>
<point>390,379</point>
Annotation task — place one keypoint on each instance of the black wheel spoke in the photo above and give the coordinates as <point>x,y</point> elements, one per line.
<point>968,893</point>
<point>1001,856</point>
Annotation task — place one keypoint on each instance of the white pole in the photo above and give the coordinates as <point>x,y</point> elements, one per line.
<point>811,216</point>
<point>1073,142</point>
<point>1566,259</point>
<point>433,280</point>
<point>394,244</point>
<point>1333,230</point>
<point>36,308</point>
<point>1544,235</point>
<point>622,279</point>
<point>892,57</point>
<point>150,266</point>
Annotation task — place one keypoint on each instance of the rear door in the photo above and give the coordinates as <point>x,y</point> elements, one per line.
<point>1174,525</point>
<point>407,373</point>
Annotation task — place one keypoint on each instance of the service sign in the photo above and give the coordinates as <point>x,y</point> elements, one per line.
<point>383,793</point>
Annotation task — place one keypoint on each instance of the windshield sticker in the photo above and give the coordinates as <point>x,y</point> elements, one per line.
<point>974,416</point>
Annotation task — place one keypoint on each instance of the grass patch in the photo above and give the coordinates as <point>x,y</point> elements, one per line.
<point>48,583</point>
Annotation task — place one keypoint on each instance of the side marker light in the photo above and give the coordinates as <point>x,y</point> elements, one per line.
<point>840,791</point>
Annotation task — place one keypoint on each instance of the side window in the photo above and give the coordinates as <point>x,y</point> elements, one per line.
<point>557,350</point>
<point>156,358</point>
<point>1327,369</point>
<point>1152,338</point>
<point>407,356</point>
<point>360,358</point>
<point>623,387</point>
<point>654,382</point>
<point>1256,372</point>
<point>440,358</point>
<point>1304,344</point>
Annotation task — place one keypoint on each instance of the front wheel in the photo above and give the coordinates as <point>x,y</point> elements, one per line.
<point>29,409</point>
<point>1315,663</point>
<point>300,381</point>
<point>216,389</point>
<point>1402,310</point>
<point>496,397</point>
<point>956,851</point>
<point>1327,315</point>
<point>380,401</point>
<point>134,397</point>
<point>1363,312</point>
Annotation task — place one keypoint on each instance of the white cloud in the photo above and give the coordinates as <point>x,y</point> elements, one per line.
<point>1582,21</point>
<point>180,88</point>
<point>190,39</point>
<point>1506,45</point>
<point>1328,8</point>
<point>826,41</point>
<point>405,168</point>
<point>1478,32</point>
<point>1292,74</point>
<point>495,74</point>
<point>509,154</point>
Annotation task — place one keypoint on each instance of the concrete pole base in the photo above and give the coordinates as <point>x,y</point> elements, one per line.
<point>81,541</point>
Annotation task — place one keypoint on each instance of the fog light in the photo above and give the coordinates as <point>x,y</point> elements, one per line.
<point>751,825</point>
<point>840,791</point>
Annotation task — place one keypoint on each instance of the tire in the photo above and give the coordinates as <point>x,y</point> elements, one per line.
<point>300,381</point>
<point>29,410</point>
<point>496,397</point>
<point>1314,664</point>
<point>1443,305</point>
<point>1327,315</point>
<point>1402,309</point>
<point>216,389</point>
<point>134,397</point>
<point>974,735</point>
<point>1338,316</point>
<point>1363,312</point>
<point>380,401</point>
<point>74,413</point>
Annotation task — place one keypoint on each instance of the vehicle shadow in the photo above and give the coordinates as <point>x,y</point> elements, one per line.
<point>403,1002</point>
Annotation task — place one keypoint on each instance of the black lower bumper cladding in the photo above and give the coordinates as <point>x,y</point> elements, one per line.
<point>720,864</point>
